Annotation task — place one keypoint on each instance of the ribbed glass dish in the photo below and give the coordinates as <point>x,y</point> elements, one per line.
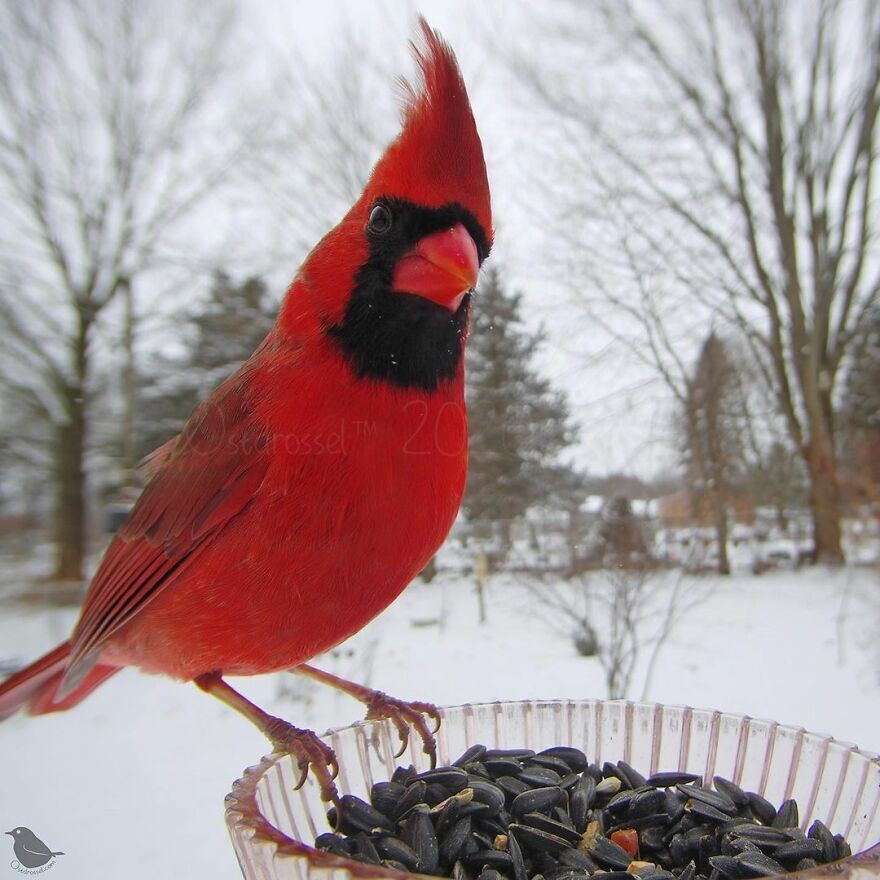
<point>272,825</point>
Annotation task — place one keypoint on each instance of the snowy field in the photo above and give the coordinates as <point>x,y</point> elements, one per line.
<point>131,783</point>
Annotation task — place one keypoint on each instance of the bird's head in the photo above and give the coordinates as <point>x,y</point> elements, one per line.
<point>390,284</point>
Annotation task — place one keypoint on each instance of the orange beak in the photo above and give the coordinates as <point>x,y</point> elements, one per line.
<point>442,267</point>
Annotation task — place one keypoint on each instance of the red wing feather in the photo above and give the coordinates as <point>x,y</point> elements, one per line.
<point>203,480</point>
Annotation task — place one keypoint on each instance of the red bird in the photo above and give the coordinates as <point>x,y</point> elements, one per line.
<point>311,487</point>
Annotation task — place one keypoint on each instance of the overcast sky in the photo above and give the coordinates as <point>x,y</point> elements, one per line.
<point>623,415</point>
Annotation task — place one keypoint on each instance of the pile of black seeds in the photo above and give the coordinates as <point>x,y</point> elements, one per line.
<point>515,815</point>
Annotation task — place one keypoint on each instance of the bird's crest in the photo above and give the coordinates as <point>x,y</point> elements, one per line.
<point>438,157</point>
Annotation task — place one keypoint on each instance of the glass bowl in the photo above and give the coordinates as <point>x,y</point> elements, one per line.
<point>272,825</point>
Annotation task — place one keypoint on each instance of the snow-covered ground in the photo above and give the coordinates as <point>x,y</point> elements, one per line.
<point>131,783</point>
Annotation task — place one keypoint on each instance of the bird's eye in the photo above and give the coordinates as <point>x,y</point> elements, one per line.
<point>380,220</point>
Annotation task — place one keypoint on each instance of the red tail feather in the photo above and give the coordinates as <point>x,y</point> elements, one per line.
<point>35,685</point>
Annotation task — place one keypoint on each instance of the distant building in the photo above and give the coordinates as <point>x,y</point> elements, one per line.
<point>686,509</point>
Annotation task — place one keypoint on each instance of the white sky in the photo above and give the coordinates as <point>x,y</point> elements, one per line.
<point>622,414</point>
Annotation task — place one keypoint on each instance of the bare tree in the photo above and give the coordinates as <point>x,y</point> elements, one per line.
<point>321,142</point>
<point>724,162</point>
<point>625,611</point>
<point>109,138</point>
<point>626,616</point>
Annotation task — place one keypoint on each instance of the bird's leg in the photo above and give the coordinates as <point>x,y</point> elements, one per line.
<point>304,745</point>
<point>380,705</point>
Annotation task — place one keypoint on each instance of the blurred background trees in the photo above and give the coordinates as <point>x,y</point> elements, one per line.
<point>222,333</point>
<point>518,424</point>
<point>109,143</point>
<point>712,430</point>
<point>697,186</point>
<point>727,171</point>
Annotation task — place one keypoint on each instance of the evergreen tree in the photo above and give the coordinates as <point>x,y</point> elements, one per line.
<point>222,334</point>
<point>711,437</point>
<point>621,540</point>
<point>518,423</point>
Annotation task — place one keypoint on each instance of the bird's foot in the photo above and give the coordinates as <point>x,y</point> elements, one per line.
<point>402,714</point>
<point>310,752</point>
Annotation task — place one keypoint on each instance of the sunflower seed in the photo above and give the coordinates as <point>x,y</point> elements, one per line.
<point>670,778</point>
<point>844,850</point>
<point>487,793</point>
<point>419,833</point>
<point>475,810</point>
<point>819,831</point>
<point>365,848</point>
<point>688,872</point>
<point>395,849</point>
<point>728,866</point>
<point>652,838</point>
<point>360,816</point>
<point>612,771</point>
<point>573,858</point>
<point>332,843</point>
<point>734,846</point>
<point>414,794</point>
<point>719,801</point>
<point>516,754</point>
<point>647,801</point>
<point>385,795</point>
<point>517,863</point>
<point>540,776</point>
<point>607,852</point>
<point>403,775</point>
<point>489,858</point>
<point>502,767</point>
<point>550,762</point>
<point>705,811</point>
<point>474,753</point>
<point>731,790</point>
<point>453,843</point>
<point>787,815</point>
<point>763,835</point>
<point>536,800</point>
<point>761,808</point>
<point>551,826</point>
<point>798,849</point>
<point>580,800</point>
<point>446,817</point>
<point>511,785</point>
<point>534,839</point>
<point>452,778</point>
<point>460,872</point>
<point>631,775</point>
<point>514,815</point>
<point>758,865</point>
<point>575,758</point>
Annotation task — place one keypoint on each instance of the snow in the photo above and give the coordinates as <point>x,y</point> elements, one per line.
<point>131,783</point>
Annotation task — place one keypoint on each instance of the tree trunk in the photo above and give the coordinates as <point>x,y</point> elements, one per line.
<point>70,498</point>
<point>70,450</point>
<point>429,572</point>
<point>824,504</point>
<point>719,514</point>
<point>129,385</point>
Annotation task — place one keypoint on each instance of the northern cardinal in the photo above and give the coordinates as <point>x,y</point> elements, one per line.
<point>311,487</point>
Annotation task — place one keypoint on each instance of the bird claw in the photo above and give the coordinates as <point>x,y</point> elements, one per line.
<point>402,714</point>
<point>310,752</point>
